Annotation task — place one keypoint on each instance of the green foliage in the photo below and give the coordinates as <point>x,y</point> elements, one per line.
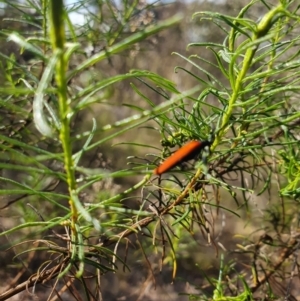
<point>244,103</point>
<point>40,151</point>
<point>252,110</point>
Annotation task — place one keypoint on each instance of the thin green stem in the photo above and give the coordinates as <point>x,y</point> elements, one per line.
<point>57,35</point>
<point>262,29</point>
<point>126,43</point>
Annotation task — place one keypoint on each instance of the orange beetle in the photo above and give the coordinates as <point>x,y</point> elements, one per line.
<point>185,153</point>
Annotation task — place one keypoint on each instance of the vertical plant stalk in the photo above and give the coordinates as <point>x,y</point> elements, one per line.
<point>57,35</point>
<point>261,30</point>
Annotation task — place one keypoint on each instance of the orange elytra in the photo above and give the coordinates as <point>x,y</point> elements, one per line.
<point>186,152</point>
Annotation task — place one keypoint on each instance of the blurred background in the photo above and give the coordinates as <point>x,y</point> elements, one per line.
<point>96,28</point>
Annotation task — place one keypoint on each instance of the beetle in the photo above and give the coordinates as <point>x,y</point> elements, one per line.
<point>186,152</point>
